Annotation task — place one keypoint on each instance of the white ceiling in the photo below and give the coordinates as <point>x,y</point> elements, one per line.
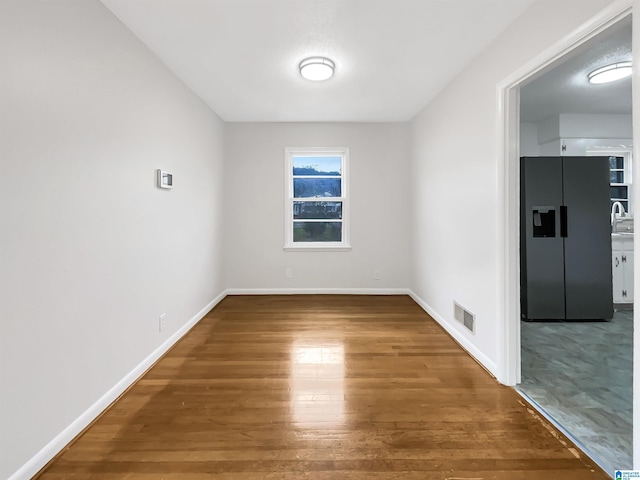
<point>565,88</point>
<point>241,56</point>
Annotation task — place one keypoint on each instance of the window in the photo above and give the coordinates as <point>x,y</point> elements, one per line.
<point>317,209</point>
<point>618,179</point>
<point>619,175</point>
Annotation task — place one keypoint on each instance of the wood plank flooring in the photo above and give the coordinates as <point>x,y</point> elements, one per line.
<point>319,387</point>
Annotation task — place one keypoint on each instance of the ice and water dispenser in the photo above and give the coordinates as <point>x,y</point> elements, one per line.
<point>544,221</point>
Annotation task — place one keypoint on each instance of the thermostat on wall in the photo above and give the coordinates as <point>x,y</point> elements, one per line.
<point>165,179</point>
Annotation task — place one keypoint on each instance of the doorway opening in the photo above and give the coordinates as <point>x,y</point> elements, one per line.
<point>520,340</point>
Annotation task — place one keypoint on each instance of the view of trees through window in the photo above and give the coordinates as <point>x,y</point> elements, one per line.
<point>318,198</point>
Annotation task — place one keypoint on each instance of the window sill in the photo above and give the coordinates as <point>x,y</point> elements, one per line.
<point>316,248</point>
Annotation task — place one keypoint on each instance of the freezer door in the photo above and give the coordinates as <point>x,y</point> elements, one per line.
<point>588,277</point>
<point>541,249</point>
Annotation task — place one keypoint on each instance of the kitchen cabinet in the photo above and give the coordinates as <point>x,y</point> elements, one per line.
<point>622,267</point>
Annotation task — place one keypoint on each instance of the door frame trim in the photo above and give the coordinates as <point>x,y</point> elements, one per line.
<point>508,172</point>
<point>508,268</point>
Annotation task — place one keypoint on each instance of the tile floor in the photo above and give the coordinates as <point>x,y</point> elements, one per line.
<point>580,374</point>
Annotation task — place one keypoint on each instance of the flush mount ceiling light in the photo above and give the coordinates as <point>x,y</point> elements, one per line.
<point>317,69</point>
<point>610,73</point>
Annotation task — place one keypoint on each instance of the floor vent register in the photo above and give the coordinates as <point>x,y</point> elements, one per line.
<point>464,316</point>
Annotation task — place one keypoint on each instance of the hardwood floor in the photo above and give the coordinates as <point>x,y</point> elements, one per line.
<point>319,387</point>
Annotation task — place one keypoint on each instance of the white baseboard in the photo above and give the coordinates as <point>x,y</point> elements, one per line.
<point>471,349</point>
<point>40,459</point>
<point>318,291</point>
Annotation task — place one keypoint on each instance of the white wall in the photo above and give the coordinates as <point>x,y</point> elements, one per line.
<point>91,251</point>
<point>549,129</point>
<point>529,139</point>
<point>457,251</point>
<point>380,207</point>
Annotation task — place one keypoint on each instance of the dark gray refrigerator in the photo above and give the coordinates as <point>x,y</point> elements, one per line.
<point>565,239</point>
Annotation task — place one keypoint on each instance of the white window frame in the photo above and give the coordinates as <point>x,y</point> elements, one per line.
<point>289,244</point>
<point>627,154</point>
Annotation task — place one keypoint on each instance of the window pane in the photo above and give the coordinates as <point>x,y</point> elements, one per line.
<point>619,192</point>
<point>616,177</point>
<point>317,166</point>
<point>330,210</point>
<point>624,203</point>
<point>317,231</point>
<point>317,187</point>
<point>616,163</point>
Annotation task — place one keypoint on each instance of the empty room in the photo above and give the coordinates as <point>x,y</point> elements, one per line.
<point>281,239</point>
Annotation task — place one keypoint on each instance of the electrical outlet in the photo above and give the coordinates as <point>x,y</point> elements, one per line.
<point>288,273</point>
<point>376,274</point>
<point>162,322</point>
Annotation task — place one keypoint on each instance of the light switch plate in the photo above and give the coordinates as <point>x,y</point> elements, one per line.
<point>165,179</point>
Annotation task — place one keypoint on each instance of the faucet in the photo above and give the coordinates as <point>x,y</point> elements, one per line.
<point>617,210</point>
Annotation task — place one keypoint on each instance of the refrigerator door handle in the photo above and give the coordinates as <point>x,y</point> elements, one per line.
<point>563,221</point>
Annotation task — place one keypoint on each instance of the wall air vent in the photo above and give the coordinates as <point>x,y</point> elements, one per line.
<point>464,316</point>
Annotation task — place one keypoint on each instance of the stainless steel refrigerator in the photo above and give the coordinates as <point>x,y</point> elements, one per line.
<point>565,239</point>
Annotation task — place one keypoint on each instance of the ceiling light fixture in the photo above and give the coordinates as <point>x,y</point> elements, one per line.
<point>610,73</point>
<point>317,69</point>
